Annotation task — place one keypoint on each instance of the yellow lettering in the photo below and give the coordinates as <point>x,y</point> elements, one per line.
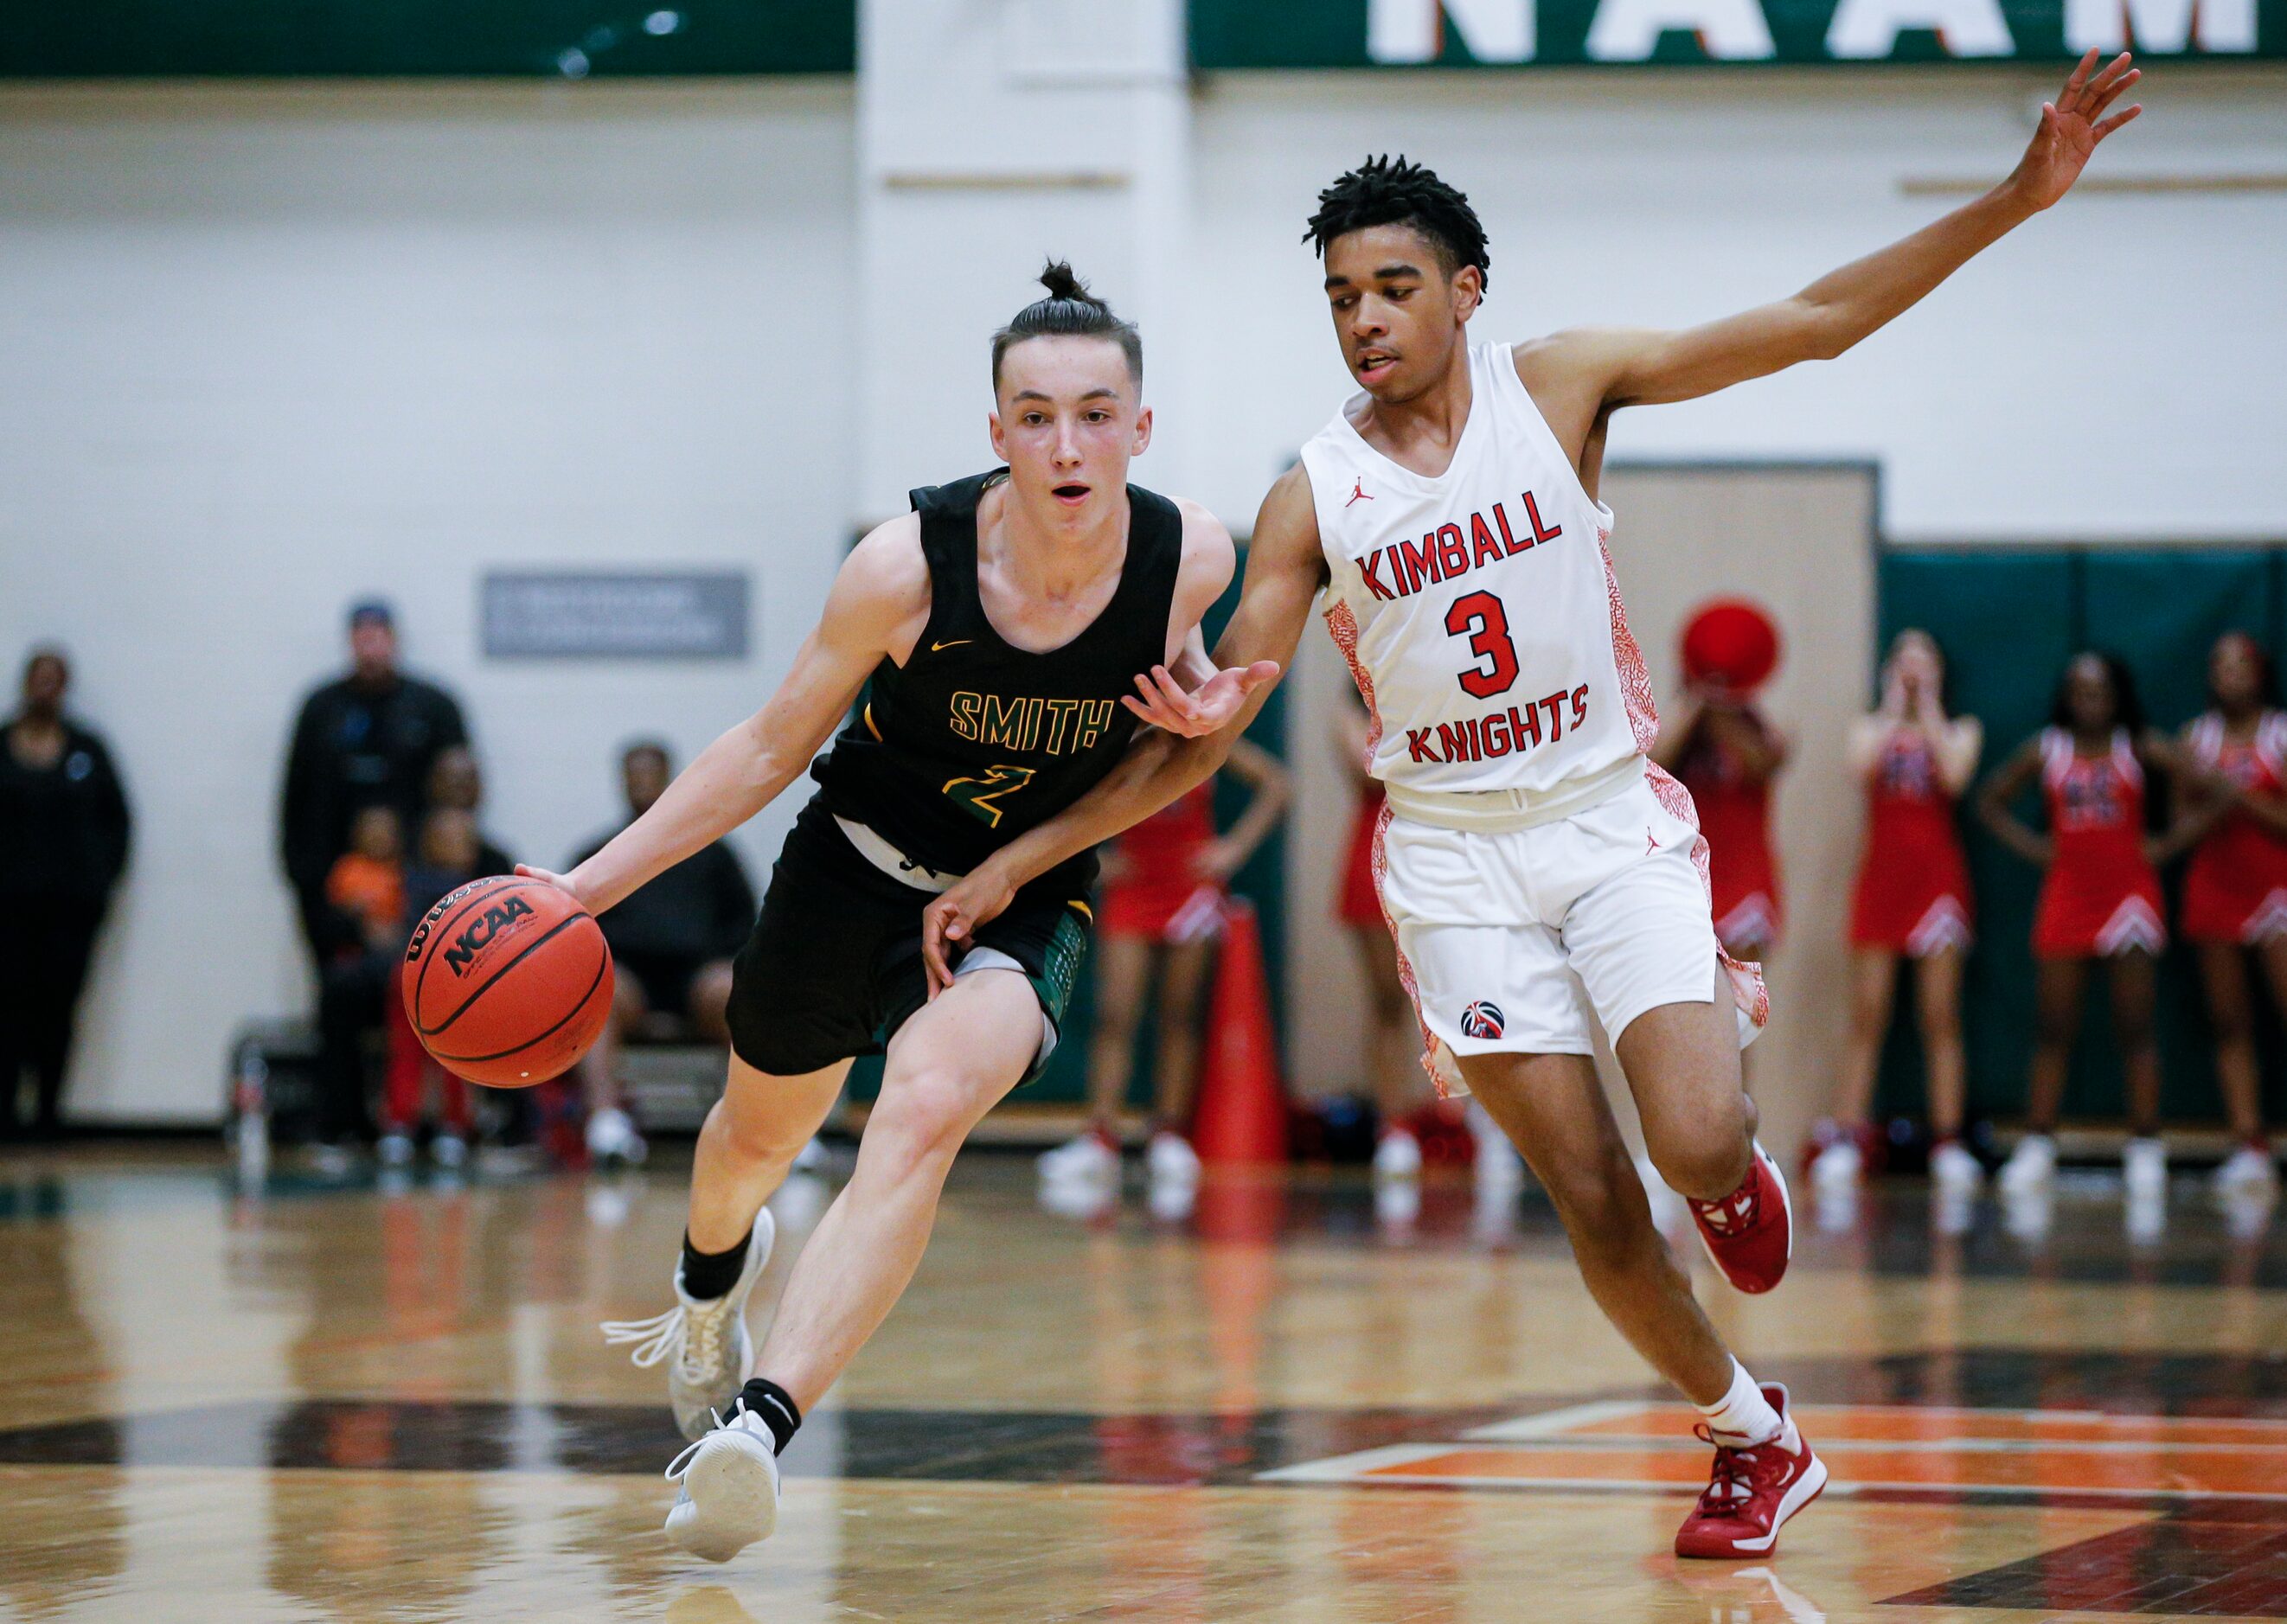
<point>1004,721</point>
<point>1095,716</point>
<point>1060,712</point>
<point>965,709</point>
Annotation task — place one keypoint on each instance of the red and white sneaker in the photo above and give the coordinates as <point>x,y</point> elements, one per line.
<point>1750,1232</point>
<point>1752,1491</point>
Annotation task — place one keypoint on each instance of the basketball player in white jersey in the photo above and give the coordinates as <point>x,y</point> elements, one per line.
<point>1528,851</point>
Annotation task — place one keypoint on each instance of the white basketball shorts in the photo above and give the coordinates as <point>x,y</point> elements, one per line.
<point>1511,938</point>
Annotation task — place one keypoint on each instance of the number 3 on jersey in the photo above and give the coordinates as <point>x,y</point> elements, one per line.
<point>1479,616</point>
<point>980,796</point>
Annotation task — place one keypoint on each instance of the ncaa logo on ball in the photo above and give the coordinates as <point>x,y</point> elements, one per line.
<point>1481,1019</point>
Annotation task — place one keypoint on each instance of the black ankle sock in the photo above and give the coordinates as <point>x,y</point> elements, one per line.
<point>712,1274</point>
<point>772,1403</point>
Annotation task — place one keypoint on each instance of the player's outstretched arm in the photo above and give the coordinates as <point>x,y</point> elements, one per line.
<point>1843,307</point>
<point>1283,572</point>
<point>879,602</point>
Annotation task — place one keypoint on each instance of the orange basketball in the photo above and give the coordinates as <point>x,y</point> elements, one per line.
<point>507,981</point>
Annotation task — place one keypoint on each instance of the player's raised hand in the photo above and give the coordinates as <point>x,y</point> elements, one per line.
<point>2072,125</point>
<point>950,922</point>
<point>1207,708</point>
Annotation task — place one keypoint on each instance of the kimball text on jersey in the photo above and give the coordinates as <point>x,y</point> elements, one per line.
<point>1449,551</point>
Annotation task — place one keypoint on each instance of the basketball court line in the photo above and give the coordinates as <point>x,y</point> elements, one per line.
<point>1908,1450</point>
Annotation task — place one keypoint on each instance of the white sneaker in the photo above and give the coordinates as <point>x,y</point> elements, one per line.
<point>704,1341</point>
<point>613,1139</point>
<point>2144,1169</point>
<point>448,1150</point>
<point>1086,1157</point>
<point>1170,1159</point>
<point>1836,1166</point>
<point>1954,1171</point>
<point>2031,1166</point>
<point>1397,1155</point>
<point>2248,1168</point>
<point>394,1150</point>
<point>727,1493</point>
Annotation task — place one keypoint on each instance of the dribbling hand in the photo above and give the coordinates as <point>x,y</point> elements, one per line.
<point>562,882</point>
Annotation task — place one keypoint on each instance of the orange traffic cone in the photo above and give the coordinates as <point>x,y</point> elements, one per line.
<point>1242,1107</point>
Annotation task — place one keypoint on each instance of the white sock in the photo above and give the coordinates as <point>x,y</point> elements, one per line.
<point>1744,1416</point>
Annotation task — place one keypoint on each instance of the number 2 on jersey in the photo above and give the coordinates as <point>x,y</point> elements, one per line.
<point>980,795</point>
<point>1479,616</point>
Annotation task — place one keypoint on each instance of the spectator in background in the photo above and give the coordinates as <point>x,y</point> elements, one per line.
<point>448,856</point>
<point>456,784</point>
<point>364,900</point>
<point>2235,887</point>
<point>671,942</point>
<point>63,847</point>
<point>1911,903</point>
<point>368,738</point>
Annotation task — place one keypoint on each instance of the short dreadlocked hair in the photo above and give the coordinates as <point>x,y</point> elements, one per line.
<point>1391,191</point>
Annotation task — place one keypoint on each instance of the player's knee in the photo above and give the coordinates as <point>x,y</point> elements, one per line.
<point>1710,1158</point>
<point>923,1117</point>
<point>753,1133</point>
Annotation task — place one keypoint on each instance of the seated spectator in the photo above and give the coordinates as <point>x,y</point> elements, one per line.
<point>672,942</point>
<point>368,882</point>
<point>63,847</point>
<point>450,855</point>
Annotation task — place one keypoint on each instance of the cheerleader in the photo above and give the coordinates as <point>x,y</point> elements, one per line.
<point>2100,900</point>
<point>1910,903</point>
<point>2235,887</point>
<point>1726,753</point>
<point>1157,916</point>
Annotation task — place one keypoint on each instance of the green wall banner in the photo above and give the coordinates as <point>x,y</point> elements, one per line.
<point>556,39</point>
<point>1231,33</point>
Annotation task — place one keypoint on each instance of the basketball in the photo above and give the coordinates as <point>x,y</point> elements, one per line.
<point>507,981</point>
<point>1731,645</point>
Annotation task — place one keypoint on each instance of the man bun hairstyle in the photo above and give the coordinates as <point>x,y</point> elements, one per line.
<point>1391,191</point>
<point>1069,311</point>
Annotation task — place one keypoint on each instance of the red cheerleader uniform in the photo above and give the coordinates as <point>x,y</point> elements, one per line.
<point>1912,894</point>
<point>1734,817</point>
<point>1160,896</point>
<point>1360,902</point>
<point>2101,898</point>
<point>2235,889</point>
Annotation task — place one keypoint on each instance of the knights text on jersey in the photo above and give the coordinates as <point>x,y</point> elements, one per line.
<point>1478,608</point>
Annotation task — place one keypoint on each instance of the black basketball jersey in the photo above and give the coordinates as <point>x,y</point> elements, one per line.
<point>972,742</point>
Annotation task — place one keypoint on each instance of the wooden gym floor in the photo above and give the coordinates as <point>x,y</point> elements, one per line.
<point>319,1402</point>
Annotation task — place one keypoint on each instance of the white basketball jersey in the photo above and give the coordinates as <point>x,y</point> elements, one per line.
<point>1479,610</point>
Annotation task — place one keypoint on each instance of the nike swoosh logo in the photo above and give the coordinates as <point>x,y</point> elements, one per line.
<point>939,648</point>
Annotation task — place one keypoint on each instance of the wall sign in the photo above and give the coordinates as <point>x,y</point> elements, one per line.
<point>1237,33</point>
<point>591,614</point>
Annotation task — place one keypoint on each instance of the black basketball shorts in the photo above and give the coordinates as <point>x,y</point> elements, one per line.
<point>833,966</point>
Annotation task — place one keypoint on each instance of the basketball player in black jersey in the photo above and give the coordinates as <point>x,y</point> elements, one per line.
<point>1001,625</point>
